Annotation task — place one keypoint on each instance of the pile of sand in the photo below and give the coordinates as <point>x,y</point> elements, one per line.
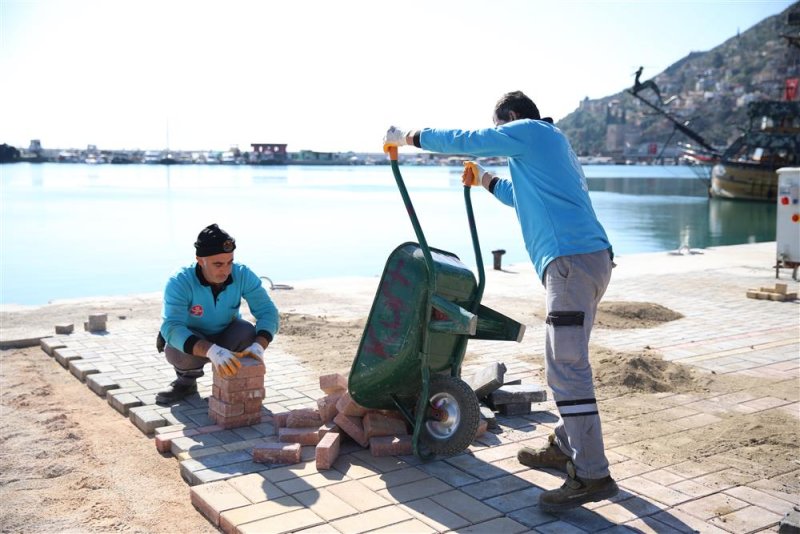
<point>644,372</point>
<point>621,314</point>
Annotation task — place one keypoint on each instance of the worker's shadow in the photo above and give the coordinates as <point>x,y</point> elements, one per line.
<point>476,488</point>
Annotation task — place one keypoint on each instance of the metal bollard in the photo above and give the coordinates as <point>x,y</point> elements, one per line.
<point>498,254</point>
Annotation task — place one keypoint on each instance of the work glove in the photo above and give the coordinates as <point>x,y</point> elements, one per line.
<point>224,361</point>
<point>394,136</point>
<point>473,174</point>
<point>254,351</point>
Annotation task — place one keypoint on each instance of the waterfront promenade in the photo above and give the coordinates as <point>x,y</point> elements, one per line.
<point>710,456</point>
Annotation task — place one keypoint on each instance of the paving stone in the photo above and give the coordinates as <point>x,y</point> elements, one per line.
<point>435,515</point>
<point>216,497</point>
<point>517,394</point>
<point>277,453</point>
<point>82,368</point>
<point>333,383</point>
<point>371,520</point>
<point>101,383</point>
<point>325,504</point>
<point>327,406</point>
<point>256,488</point>
<point>189,443</point>
<point>146,420</point>
<point>224,472</point>
<point>233,520</point>
<point>49,344</point>
<point>327,450</point>
<point>359,496</point>
<point>378,424</point>
<point>467,507</point>
<point>353,427</point>
<point>487,379</point>
<point>65,355</point>
<point>347,406</point>
<point>391,445</point>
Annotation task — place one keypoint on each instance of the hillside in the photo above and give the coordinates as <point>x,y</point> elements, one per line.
<point>709,89</point>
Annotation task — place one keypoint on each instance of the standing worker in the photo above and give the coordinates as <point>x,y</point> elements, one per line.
<point>201,319</point>
<point>572,257</point>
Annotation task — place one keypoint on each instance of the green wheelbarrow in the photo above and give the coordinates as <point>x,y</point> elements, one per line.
<point>427,306</point>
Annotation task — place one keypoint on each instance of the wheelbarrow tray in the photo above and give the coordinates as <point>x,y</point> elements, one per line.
<point>387,366</point>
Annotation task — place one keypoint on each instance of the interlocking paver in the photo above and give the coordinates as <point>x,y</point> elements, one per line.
<point>485,488</point>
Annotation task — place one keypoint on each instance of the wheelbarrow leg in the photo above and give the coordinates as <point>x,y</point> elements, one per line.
<point>422,410</point>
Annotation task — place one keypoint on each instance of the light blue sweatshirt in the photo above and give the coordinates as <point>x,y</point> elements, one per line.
<point>189,304</point>
<point>547,187</point>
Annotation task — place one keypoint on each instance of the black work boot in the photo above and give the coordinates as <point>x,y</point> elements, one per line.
<point>550,456</point>
<point>176,392</point>
<point>577,491</point>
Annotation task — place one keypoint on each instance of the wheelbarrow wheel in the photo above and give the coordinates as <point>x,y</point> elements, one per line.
<point>453,416</point>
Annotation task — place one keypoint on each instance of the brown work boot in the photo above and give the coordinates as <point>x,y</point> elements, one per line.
<point>550,456</point>
<point>577,491</point>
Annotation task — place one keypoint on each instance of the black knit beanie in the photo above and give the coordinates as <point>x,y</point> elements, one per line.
<point>214,240</point>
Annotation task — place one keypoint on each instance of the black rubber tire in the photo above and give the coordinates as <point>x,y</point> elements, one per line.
<point>454,435</point>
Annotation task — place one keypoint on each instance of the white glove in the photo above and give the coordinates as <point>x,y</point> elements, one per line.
<point>255,350</point>
<point>394,136</point>
<point>473,174</point>
<point>224,361</point>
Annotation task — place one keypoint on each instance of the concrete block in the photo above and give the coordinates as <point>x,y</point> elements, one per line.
<point>331,383</point>
<point>377,424</point>
<point>80,369</point>
<point>327,450</point>
<point>517,394</point>
<point>123,401</point>
<point>146,420</point>
<point>347,406</point>
<point>49,344</point>
<point>487,380</point>
<point>353,427</point>
<point>65,355</point>
<point>277,453</point>
<point>391,446</point>
<point>65,328</point>
<point>101,383</point>
<point>96,323</point>
<point>303,436</point>
<point>487,414</point>
<point>303,418</point>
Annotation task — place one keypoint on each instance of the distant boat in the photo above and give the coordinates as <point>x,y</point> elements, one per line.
<point>747,169</point>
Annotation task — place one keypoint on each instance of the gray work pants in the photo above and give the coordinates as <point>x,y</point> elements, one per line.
<point>575,284</point>
<point>238,335</point>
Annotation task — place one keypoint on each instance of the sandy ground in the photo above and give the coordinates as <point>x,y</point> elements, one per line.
<point>68,463</point>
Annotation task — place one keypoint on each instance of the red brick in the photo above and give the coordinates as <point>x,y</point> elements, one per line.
<point>231,385</point>
<point>328,450</point>
<point>347,406</point>
<point>483,425</point>
<point>277,453</point>
<point>235,422</point>
<point>252,406</point>
<point>241,396</point>
<point>377,424</point>
<point>391,446</point>
<point>328,427</point>
<point>353,427</point>
<point>251,368</point>
<point>303,418</point>
<point>279,419</point>
<point>303,436</point>
<point>332,383</point>
<point>225,409</point>
<point>327,406</point>
<point>254,382</point>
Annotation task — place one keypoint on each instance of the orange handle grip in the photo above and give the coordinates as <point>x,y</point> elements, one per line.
<point>391,150</point>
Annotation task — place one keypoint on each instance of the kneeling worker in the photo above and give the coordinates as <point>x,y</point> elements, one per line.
<point>201,319</point>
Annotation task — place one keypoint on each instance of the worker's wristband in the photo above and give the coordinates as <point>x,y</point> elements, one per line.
<point>493,183</point>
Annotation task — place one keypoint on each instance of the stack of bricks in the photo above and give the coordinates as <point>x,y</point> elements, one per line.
<point>236,401</point>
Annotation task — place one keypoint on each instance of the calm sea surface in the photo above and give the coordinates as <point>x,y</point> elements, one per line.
<point>71,230</point>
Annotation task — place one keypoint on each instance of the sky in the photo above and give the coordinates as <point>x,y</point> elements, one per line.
<point>324,75</point>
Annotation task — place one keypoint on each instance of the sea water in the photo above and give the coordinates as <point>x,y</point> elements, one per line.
<point>75,230</point>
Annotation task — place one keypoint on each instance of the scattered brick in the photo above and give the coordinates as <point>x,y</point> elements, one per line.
<point>514,408</point>
<point>378,424</point>
<point>65,329</point>
<point>96,323</point>
<point>332,383</point>
<point>488,379</point>
<point>279,419</point>
<point>391,446</point>
<point>303,418</point>
<point>483,426</point>
<point>328,427</point>
<point>327,406</point>
<point>277,453</point>
<point>517,394</point>
<point>347,406</point>
<point>328,450</point>
<point>353,427</point>
<point>303,436</point>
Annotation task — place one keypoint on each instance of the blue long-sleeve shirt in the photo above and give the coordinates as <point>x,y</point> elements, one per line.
<point>547,187</point>
<point>189,304</point>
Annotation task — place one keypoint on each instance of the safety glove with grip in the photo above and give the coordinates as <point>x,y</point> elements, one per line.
<point>224,361</point>
<point>473,174</point>
<point>254,351</point>
<point>394,136</point>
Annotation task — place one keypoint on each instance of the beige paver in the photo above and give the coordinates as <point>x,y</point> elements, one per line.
<point>371,520</point>
<point>287,522</point>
